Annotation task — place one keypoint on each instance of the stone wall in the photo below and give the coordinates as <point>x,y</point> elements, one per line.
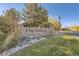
<point>25,42</point>
<point>38,32</point>
<point>30,36</point>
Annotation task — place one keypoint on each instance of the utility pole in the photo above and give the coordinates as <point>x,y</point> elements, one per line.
<point>59,19</point>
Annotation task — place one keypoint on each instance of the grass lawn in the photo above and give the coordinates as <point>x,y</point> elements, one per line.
<point>57,46</point>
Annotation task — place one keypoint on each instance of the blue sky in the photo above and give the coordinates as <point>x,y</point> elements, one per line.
<point>69,13</point>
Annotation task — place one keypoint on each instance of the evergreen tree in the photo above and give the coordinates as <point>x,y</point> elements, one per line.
<point>35,15</point>
<point>9,27</point>
<point>14,14</point>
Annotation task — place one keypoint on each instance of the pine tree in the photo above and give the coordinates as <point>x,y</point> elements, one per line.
<point>9,27</point>
<point>14,14</point>
<point>35,15</point>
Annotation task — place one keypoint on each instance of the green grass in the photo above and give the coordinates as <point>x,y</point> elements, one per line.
<point>57,46</point>
<point>65,30</point>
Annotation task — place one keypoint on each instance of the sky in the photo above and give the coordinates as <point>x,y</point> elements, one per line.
<point>69,13</point>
